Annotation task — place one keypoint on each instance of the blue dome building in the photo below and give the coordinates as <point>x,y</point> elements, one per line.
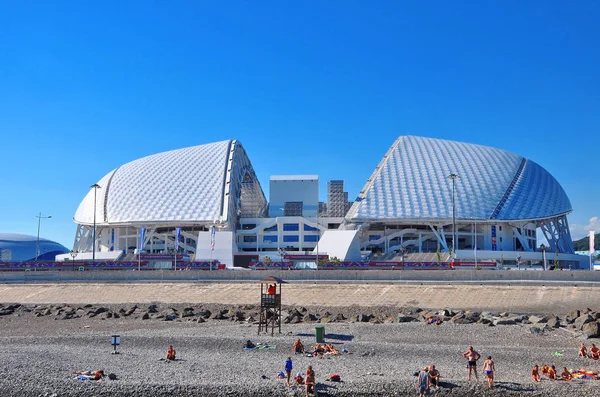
<point>22,248</point>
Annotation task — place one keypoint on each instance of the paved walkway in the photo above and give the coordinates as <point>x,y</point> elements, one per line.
<point>558,299</point>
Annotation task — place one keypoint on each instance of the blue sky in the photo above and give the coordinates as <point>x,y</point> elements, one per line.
<point>307,87</point>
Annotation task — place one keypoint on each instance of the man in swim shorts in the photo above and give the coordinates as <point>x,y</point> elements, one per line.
<point>472,356</point>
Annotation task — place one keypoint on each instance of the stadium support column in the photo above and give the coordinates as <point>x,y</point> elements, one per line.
<point>37,244</point>
<point>95,186</point>
<point>453,177</point>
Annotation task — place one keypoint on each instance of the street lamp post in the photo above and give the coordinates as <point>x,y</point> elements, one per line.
<point>37,244</point>
<point>73,255</point>
<point>95,186</point>
<point>453,177</point>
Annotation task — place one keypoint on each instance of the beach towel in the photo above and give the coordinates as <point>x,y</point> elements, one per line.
<point>261,347</point>
<point>335,378</point>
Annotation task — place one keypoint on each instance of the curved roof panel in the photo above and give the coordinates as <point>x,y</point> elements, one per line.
<point>411,182</point>
<point>23,247</point>
<point>184,185</point>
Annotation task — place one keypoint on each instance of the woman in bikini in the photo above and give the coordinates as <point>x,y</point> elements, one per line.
<point>489,369</point>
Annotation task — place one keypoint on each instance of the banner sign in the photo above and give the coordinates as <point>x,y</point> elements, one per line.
<point>494,245</point>
<point>592,244</point>
<point>142,236</point>
<point>177,237</point>
<point>213,231</point>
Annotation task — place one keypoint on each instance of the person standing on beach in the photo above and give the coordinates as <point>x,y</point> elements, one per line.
<point>489,369</point>
<point>472,356</point>
<point>288,369</point>
<point>423,381</point>
<point>309,381</point>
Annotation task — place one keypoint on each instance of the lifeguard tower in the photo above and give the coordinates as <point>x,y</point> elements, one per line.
<point>270,304</point>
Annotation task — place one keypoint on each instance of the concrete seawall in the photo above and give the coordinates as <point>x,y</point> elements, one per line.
<point>525,299</point>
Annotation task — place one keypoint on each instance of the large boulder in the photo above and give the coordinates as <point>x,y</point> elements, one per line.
<point>406,319</point>
<point>591,329</point>
<point>504,321</point>
<point>553,322</point>
<point>538,319</point>
<point>581,320</point>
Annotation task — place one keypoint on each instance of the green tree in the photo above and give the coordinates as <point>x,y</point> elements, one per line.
<point>438,254</point>
<point>555,262</point>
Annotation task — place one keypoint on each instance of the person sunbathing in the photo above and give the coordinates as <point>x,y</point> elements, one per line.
<point>535,374</point>
<point>95,375</point>
<point>582,350</point>
<point>318,350</point>
<point>566,375</point>
<point>552,373</point>
<point>298,347</point>
<point>545,369</point>
<point>594,352</point>
<point>332,350</point>
<point>171,353</point>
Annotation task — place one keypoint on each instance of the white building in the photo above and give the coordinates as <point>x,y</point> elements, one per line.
<point>408,208</point>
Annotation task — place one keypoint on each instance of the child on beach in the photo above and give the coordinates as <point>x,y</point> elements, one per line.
<point>552,373</point>
<point>423,381</point>
<point>489,369</point>
<point>170,353</point>
<point>288,370</point>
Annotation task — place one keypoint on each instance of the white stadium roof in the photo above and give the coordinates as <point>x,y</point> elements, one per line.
<point>199,184</point>
<point>411,182</point>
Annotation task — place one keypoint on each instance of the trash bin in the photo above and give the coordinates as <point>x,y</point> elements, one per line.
<point>320,334</point>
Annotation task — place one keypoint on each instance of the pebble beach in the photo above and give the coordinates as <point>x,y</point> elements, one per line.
<point>38,356</point>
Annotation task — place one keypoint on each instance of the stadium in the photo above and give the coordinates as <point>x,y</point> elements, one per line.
<point>427,201</point>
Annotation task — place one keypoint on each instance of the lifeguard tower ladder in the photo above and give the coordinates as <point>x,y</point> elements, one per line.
<point>270,305</point>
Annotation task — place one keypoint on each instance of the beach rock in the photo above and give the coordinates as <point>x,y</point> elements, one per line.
<point>205,314</point>
<point>188,312</point>
<point>340,317</point>
<point>145,316</point>
<point>152,309</point>
<point>100,310</point>
<point>591,329</point>
<point>553,322</point>
<point>6,312</point>
<point>462,320</point>
<point>446,313</point>
<point>581,320</point>
<point>574,313</point>
<point>538,319</point>
<point>505,321</point>
<point>218,316</point>
<point>364,318</point>
<point>485,321</point>
<point>406,319</point>
<point>311,318</point>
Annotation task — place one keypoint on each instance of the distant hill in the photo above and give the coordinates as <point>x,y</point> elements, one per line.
<point>584,243</point>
